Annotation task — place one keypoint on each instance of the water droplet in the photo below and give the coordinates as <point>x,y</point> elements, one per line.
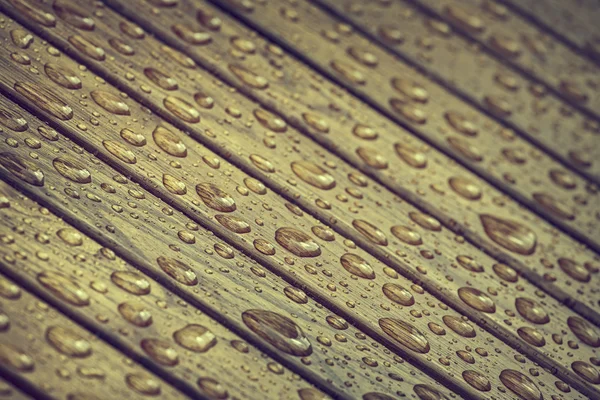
<point>505,46</point>
<point>249,78</point>
<point>262,163</point>
<point>574,270</point>
<point>119,151</point>
<point>465,188</point>
<point>405,334</point>
<point>22,169</point>
<point>370,231</point>
<point>264,247</point>
<point>188,35</point>
<point>505,272</point>
<point>212,388</point>
<point>34,13</point>
<point>459,326</point>
<point>348,71</point>
<point>532,336</point>
<point>377,396</point>
<point>160,351</point>
<point>234,224</point>
<point>169,142</point>
<point>136,313</point>
<point>463,19</point>
<point>215,198</point>
<point>178,271</point>
<point>425,221</point>
<point>409,111</point>
<point>281,332</point>
<point>182,109</point>
<point>477,299</point>
<point>45,100</point>
<point>584,331</point>
<point>586,371</point>
<point>62,76</point>
<point>465,149</point>
<point>143,384</point>
<point>72,170</point>
<point>520,385</point>
<point>531,311</point>
<point>563,179</point>
<point>406,235</point>
<point>68,342</point>
<point>70,236</point>
<point>131,282</point>
<point>73,15</point>
<point>358,266</point>
<point>133,138</point>
<point>398,294</point>
<point>195,338</point>
<point>469,263</point>
<point>411,155</point>
<point>460,123</point>
<point>411,89</point>
<point>312,394</point>
<point>64,288</point>
<point>15,358</point>
<point>425,392</point>
<point>13,121</point>
<point>270,120</point>
<point>88,48</point>
<point>553,206</point>
<point>372,158</point>
<point>316,122</point>
<point>295,294</point>
<point>174,185</point>
<point>161,79</point>
<point>313,175</point>
<point>297,242</point>
<point>509,234</point>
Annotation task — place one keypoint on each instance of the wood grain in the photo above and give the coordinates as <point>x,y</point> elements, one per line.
<point>153,179</point>
<point>420,186</point>
<point>112,299</point>
<point>42,348</point>
<point>533,111</point>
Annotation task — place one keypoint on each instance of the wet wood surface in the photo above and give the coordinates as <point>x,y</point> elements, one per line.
<point>243,220</point>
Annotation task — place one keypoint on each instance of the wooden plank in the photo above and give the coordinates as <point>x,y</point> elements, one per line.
<point>56,358</point>
<point>429,116</point>
<point>532,50</point>
<point>573,21</point>
<point>9,391</point>
<point>226,284</point>
<point>228,178</point>
<point>109,297</point>
<point>535,112</point>
<point>416,183</point>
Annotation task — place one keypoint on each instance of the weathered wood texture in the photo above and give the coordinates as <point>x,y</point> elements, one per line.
<point>56,358</point>
<point>553,124</point>
<point>293,274</point>
<point>574,21</point>
<point>112,299</point>
<point>239,148</point>
<point>222,282</point>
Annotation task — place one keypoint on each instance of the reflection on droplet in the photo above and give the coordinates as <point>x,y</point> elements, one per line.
<point>64,288</point>
<point>405,334</point>
<point>62,76</point>
<point>297,242</point>
<point>586,371</point>
<point>531,311</point>
<point>574,270</point>
<point>370,231</point>
<point>477,299</point>
<point>160,351</point>
<point>178,270</point>
<point>406,235</point>
<point>398,294</point>
<point>410,155</point>
<point>313,175</point>
<point>22,169</point>
<point>15,358</point>
<point>169,142</point>
<point>215,198</point>
<point>520,385</point>
<point>279,331</point>
<point>136,313</point>
<point>46,100</point>
<point>459,326</point>
<point>72,169</point>
<point>68,342</point>
<point>212,388</point>
<point>131,282</point>
<point>509,234</point>
<point>477,380</point>
<point>584,331</point>
<point>465,188</point>
<point>532,336</point>
<point>249,78</point>
<point>358,266</point>
<point>196,338</point>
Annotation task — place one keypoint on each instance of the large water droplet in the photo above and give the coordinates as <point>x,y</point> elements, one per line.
<point>45,100</point>
<point>161,79</point>
<point>574,270</point>
<point>405,334</point>
<point>143,384</point>
<point>182,109</point>
<point>586,371</point>
<point>249,78</point>
<point>520,385</point>
<point>62,76</point>
<point>160,351</point>
<point>411,155</point>
<point>477,299</point>
<point>465,188</point>
<point>131,282</point>
<point>120,151</point>
<point>398,294</point>
<point>313,175</point>
<point>270,120</point>
<point>279,331</point>
<point>88,47</point>
<point>178,270</point>
<point>297,242</point>
<point>70,236</point>
<point>477,380</point>
<point>531,311</point>
<point>509,234</point>
<point>22,169</point>
<point>425,221</point>
<point>64,288</point>
<point>459,326</point>
<point>136,313</point>
<point>554,206</point>
<point>195,338</point>
<point>234,224</point>
<point>532,336</point>
<point>73,15</point>
<point>72,169</point>
<point>212,388</point>
<point>584,331</point>
<point>169,142</point>
<point>358,266</point>
<point>370,231</point>
<point>425,392</point>
<point>68,342</point>
<point>15,358</point>
<point>406,235</point>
